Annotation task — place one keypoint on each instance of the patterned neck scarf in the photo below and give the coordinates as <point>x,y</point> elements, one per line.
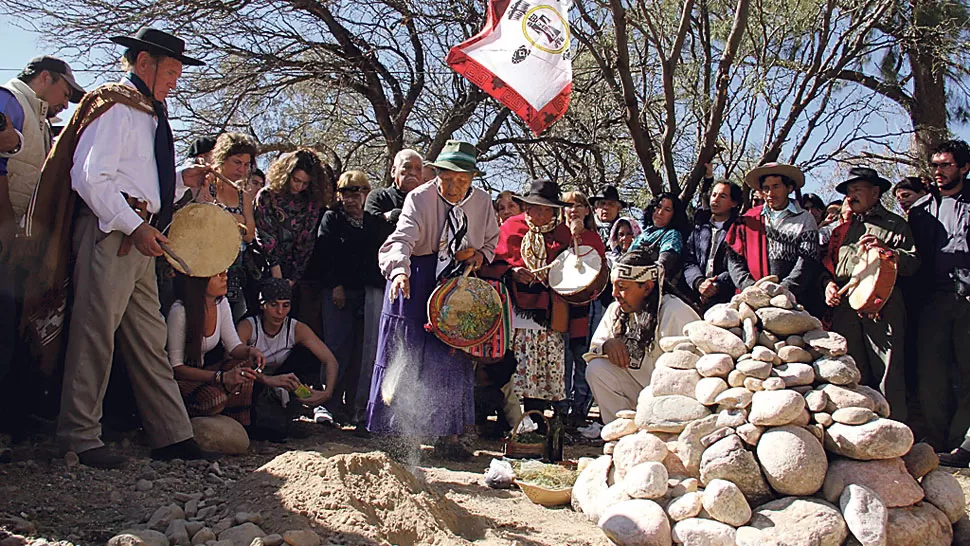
<point>638,332</point>
<point>356,223</point>
<point>534,248</point>
<point>454,236</point>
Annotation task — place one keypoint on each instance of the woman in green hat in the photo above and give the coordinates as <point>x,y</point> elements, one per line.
<point>422,387</point>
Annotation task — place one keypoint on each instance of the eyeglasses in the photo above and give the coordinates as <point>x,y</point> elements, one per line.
<point>937,165</point>
<point>353,189</point>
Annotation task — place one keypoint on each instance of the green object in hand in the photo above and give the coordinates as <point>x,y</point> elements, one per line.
<point>302,392</point>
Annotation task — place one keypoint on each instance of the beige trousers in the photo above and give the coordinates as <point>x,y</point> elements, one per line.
<point>615,388</point>
<point>116,295</point>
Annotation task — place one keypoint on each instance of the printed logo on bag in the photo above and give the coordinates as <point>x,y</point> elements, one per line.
<point>520,54</point>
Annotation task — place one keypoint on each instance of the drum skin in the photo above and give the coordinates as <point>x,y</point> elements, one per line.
<point>874,276</point>
<point>206,236</point>
<point>464,312</point>
<point>578,274</point>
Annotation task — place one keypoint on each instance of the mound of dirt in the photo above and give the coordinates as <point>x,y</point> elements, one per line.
<point>357,498</point>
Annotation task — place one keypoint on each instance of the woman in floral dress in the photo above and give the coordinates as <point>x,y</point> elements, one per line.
<point>528,243</point>
<point>288,211</point>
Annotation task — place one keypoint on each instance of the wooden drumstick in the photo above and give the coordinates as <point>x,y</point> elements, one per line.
<point>220,176</point>
<point>849,285</point>
<point>178,260</point>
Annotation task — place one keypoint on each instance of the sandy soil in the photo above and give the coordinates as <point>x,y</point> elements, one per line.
<point>42,496</point>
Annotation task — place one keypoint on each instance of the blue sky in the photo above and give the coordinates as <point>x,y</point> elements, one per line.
<point>19,46</point>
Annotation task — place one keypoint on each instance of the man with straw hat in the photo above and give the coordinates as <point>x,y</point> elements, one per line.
<point>119,155</point>
<point>422,387</point>
<point>876,343</point>
<point>777,238</point>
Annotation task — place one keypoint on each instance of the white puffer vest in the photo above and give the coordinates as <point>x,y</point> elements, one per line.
<point>23,169</point>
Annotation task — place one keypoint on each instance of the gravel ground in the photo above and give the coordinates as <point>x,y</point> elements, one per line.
<point>46,498</point>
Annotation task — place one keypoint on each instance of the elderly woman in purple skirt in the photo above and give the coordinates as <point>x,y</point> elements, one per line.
<point>422,387</point>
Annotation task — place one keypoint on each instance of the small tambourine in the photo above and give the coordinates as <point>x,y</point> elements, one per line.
<point>205,237</point>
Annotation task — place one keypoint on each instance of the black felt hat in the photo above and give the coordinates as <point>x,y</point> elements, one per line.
<point>542,192</point>
<point>158,41</point>
<point>608,192</point>
<point>202,146</point>
<point>864,173</point>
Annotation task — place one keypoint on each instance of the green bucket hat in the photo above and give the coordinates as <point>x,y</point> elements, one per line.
<point>457,156</point>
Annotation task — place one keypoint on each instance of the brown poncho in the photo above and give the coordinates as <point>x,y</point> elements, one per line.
<point>46,254</point>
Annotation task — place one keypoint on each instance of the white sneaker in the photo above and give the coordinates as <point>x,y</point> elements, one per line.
<point>322,415</point>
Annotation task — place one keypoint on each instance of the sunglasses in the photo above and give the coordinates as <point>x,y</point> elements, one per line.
<point>353,189</point>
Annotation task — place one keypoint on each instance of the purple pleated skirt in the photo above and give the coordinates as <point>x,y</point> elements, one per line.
<point>420,387</point>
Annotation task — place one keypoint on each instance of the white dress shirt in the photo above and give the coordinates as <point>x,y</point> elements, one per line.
<point>115,154</point>
<point>674,315</point>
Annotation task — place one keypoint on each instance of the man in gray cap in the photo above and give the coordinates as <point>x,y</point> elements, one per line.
<point>39,92</point>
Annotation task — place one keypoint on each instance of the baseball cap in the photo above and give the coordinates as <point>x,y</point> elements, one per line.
<point>53,64</point>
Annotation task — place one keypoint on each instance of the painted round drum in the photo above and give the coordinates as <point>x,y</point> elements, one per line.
<point>464,311</point>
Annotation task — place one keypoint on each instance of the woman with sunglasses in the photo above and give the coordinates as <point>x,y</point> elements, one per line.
<point>347,244</point>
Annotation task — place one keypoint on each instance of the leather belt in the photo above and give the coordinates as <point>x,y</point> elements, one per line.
<point>140,206</point>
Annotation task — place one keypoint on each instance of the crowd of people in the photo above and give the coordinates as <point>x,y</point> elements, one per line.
<point>323,311</point>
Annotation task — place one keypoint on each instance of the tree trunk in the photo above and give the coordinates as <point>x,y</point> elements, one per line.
<point>928,112</point>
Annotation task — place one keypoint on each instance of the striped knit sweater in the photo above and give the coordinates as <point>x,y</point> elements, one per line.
<point>792,249</point>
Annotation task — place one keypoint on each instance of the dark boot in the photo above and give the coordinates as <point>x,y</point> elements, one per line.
<point>187,450</point>
<point>101,457</point>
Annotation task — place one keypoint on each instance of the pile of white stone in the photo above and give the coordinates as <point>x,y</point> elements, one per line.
<point>755,431</point>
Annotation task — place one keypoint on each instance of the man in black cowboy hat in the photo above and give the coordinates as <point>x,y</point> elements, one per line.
<point>606,206</point>
<point>119,155</point>
<point>876,342</point>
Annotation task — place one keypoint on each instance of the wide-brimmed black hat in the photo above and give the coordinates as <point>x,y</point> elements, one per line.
<point>864,173</point>
<point>610,193</point>
<point>158,41</point>
<point>202,146</point>
<point>542,192</point>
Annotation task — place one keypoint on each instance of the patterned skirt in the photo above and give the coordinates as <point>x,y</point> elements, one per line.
<point>541,373</point>
<point>206,399</point>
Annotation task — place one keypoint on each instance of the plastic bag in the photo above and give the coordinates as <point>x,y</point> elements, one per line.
<point>527,425</point>
<point>591,432</point>
<point>499,474</point>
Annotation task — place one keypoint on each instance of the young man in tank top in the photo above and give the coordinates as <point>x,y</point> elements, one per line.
<point>295,356</point>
